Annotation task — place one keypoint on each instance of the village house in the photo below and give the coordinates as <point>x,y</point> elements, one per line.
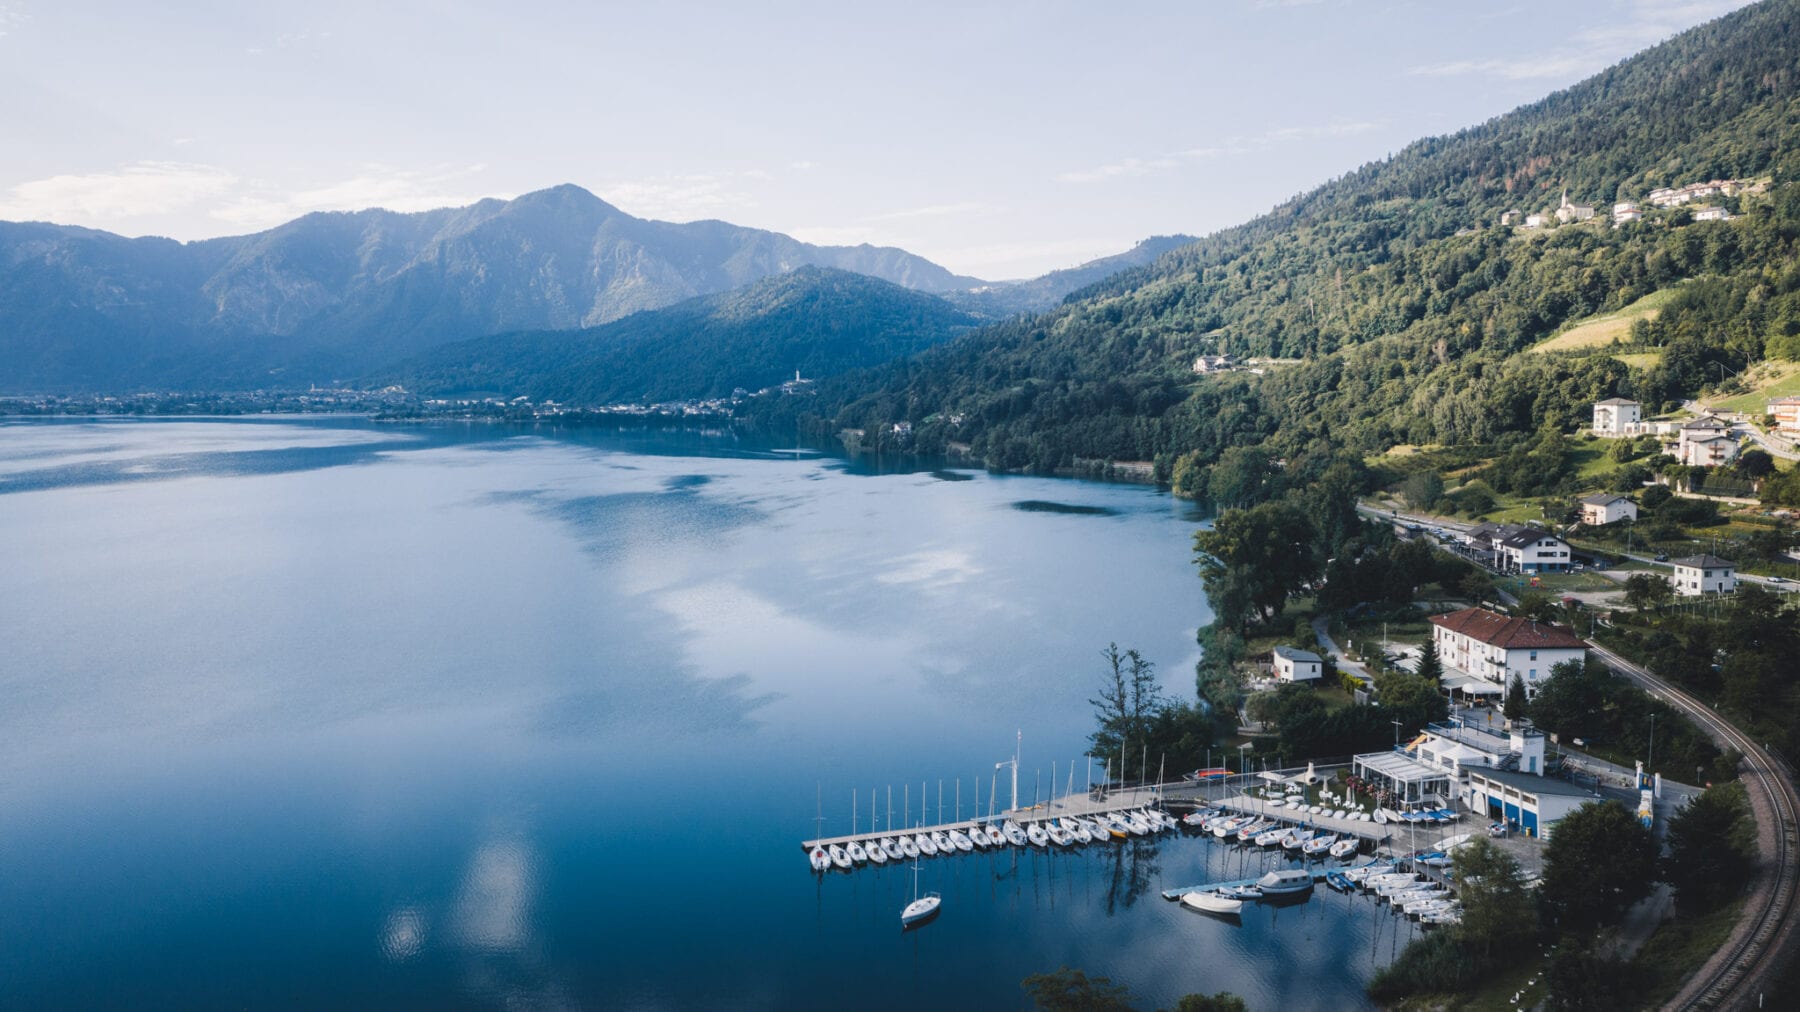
<point>1603,508</point>
<point>1214,363</point>
<point>1699,575</point>
<point>1516,548</point>
<point>1567,212</point>
<point>1493,648</point>
<point>1625,212</point>
<point>1705,440</point>
<point>1617,416</point>
<point>1510,218</point>
<point>1293,665</point>
<point>1536,219</point>
<point>1786,412</point>
<point>1711,213</point>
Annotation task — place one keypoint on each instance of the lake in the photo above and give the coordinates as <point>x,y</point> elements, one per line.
<point>328,713</point>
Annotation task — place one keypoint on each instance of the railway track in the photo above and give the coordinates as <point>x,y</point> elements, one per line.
<point>1736,977</point>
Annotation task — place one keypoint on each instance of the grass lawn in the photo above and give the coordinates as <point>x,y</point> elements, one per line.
<point>1496,992</point>
<point>1769,379</point>
<point>1596,331</point>
<point>1640,360</point>
<point>1563,583</point>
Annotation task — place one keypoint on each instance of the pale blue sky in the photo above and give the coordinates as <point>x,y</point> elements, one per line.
<point>1001,140</point>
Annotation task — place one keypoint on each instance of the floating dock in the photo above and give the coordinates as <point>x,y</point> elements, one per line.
<point>1076,805</point>
<point>1318,875</point>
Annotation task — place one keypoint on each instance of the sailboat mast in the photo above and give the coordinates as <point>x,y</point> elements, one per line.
<point>852,813</point>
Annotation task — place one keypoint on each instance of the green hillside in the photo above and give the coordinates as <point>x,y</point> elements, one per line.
<point>816,320</point>
<point>1409,332</point>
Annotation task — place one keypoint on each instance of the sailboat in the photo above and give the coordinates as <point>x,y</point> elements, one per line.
<point>856,852</point>
<point>820,860</point>
<point>876,854</point>
<point>922,908</point>
<point>838,857</point>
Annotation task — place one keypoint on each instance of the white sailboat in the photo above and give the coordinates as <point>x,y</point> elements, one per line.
<point>996,838</point>
<point>961,841</point>
<point>838,857</point>
<point>891,849</point>
<point>857,854</point>
<point>1036,835</point>
<point>926,845</point>
<point>876,854</point>
<point>922,908</point>
<point>820,860</point>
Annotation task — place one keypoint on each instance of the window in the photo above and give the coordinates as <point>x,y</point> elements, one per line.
<point>1532,673</point>
<point>1534,655</point>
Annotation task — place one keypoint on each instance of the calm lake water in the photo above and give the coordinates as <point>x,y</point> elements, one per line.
<point>329,714</point>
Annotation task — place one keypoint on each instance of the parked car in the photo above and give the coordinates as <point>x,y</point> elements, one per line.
<point>1662,556</point>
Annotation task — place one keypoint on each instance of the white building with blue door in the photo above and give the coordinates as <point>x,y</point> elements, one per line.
<point>1531,804</point>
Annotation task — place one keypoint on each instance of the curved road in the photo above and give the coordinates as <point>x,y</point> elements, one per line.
<point>1739,974</point>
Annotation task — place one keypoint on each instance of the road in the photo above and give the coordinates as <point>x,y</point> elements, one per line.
<point>1740,973</point>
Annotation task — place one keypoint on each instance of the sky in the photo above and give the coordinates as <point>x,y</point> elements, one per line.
<point>999,139</point>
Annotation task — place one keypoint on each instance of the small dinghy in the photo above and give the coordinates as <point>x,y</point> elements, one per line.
<point>1345,847</point>
<point>1318,844</point>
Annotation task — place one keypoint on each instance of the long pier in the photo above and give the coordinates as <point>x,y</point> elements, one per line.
<point>1074,805</point>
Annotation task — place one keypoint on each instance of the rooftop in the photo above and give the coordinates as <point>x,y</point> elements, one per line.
<point>1533,783</point>
<point>1603,499</point>
<point>1510,633</point>
<point>1399,768</point>
<point>1617,402</point>
<point>1293,654</point>
<point>1704,562</point>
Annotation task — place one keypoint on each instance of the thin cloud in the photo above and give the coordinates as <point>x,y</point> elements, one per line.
<point>967,207</point>
<point>679,197</point>
<point>1645,23</point>
<point>377,186</point>
<point>144,188</point>
<point>1130,167</point>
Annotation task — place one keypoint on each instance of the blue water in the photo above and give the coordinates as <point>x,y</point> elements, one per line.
<point>327,713</point>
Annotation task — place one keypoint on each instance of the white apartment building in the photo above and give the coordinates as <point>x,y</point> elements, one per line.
<point>1494,648</point>
<point>1698,575</point>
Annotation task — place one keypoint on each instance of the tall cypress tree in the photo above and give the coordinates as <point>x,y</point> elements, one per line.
<point>1515,699</point>
<point>1430,664</point>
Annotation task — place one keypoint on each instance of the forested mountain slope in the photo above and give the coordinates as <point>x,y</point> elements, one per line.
<point>1404,330</point>
<point>818,321</point>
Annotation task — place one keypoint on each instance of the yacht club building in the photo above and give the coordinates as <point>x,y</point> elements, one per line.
<point>1533,804</point>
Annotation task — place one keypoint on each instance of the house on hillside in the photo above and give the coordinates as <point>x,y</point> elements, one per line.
<point>1603,508</point>
<point>1510,218</point>
<point>1699,575</point>
<point>1536,219</point>
<point>1567,212</point>
<point>1493,648</point>
<point>1786,411</point>
<point>1516,548</point>
<point>1705,440</point>
<point>1712,212</point>
<point>1292,665</point>
<point>1625,212</point>
<point>1204,364</point>
<point>1617,416</point>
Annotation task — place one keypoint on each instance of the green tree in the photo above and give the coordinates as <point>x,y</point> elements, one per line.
<point>1411,699</point>
<point>1422,489</point>
<point>1224,1001</point>
<point>1583,979</point>
<point>1068,990</point>
<point>1515,705</point>
<point>1128,701</point>
<point>1265,552</point>
<point>1644,591</point>
<point>1599,861</point>
<point>1431,666</point>
<point>1498,918</point>
<point>1712,850</point>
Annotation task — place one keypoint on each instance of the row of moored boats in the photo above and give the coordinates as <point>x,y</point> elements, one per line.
<point>1266,832</point>
<point>1066,831</point>
<point>1430,901</point>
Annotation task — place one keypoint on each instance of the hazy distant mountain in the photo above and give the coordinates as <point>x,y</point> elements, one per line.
<point>819,321</point>
<point>336,294</point>
<point>1006,298</point>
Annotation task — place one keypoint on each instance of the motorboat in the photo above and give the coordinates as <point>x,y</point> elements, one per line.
<point>892,849</point>
<point>1014,835</point>
<point>838,857</point>
<point>926,844</point>
<point>1212,903</point>
<point>1336,880</point>
<point>1253,830</point>
<point>961,841</point>
<point>1285,882</point>
<point>856,852</point>
<point>1345,847</point>
<point>820,860</point>
<point>1036,835</point>
<point>1318,844</point>
<point>996,838</point>
<point>876,854</point>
